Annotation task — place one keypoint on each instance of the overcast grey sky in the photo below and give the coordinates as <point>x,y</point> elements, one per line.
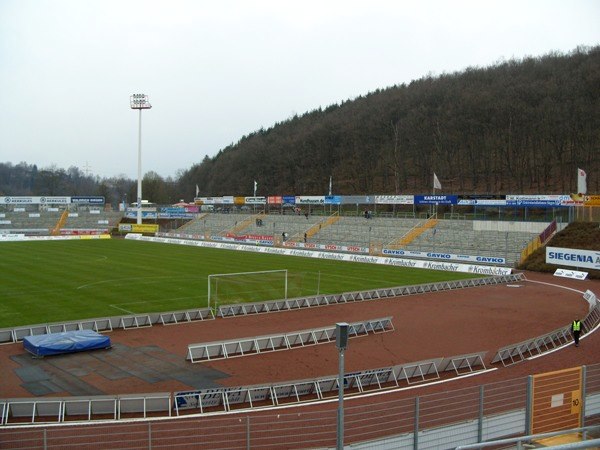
<point>217,70</point>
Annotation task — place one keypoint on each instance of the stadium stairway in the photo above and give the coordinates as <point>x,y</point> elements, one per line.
<point>244,224</point>
<point>414,233</point>
<point>61,222</point>
<point>316,228</point>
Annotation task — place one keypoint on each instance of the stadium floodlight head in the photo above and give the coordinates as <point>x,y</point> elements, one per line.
<point>139,102</point>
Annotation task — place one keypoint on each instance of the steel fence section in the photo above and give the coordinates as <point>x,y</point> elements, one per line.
<point>23,439</point>
<point>444,408</point>
<point>503,408</point>
<point>211,433</point>
<point>592,389</point>
<point>293,431</point>
<point>372,422</point>
<point>592,381</point>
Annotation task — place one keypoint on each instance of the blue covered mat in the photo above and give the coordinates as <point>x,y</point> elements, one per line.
<point>67,342</point>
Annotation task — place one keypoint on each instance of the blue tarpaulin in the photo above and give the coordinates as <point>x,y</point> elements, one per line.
<point>67,342</point>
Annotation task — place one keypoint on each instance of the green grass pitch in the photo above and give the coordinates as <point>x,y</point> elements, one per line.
<point>54,281</point>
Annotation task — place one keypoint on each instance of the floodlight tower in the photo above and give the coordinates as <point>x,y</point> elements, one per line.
<point>139,102</point>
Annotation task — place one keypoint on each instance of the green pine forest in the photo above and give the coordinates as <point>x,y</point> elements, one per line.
<point>518,126</point>
<point>515,127</point>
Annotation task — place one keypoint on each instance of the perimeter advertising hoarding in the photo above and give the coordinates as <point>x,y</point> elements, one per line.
<point>399,262</point>
<point>310,199</point>
<point>227,200</point>
<point>436,199</point>
<point>207,200</point>
<point>539,200</point>
<point>88,200</point>
<point>35,200</point>
<point>394,199</point>
<point>447,256</point>
<point>357,199</point>
<point>590,259</point>
<point>591,200</point>
<point>172,210</point>
<point>255,200</point>
<point>289,199</point>
<point>482,200</point>
<point>333,199</point>
<point>138,228</point>
<point>275,200</point>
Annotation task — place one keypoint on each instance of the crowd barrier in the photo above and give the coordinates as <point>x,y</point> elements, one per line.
<point>107,324</point>
<point>514,353</point>
<point>66,409</point>
<point>283,341</point>
<point>227,399</point>
<point>348,297</point>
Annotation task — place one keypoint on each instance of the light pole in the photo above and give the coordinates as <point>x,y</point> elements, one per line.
<point>139,102</point>
<point>341,342</point>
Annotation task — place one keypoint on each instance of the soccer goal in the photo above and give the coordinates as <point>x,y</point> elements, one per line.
<point>243,287</point>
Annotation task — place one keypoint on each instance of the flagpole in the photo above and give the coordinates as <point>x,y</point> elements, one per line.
<point>433,193</point>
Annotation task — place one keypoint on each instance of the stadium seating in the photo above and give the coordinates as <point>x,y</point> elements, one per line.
<point>455,236</point>
<point>464,237</point>
<point>43,222</point>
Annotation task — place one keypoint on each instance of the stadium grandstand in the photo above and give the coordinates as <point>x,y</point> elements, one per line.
<point>499,231</point>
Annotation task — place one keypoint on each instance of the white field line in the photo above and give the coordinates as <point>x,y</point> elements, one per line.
<point>557,285</point>
<point>123,309</point>
<point>83,286</point>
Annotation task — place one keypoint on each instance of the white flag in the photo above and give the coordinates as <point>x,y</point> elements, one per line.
<point>197,190</point>
<point>581,182</point>
<point>255,186</point>
<point>329,184</point>
<point>436,182</point>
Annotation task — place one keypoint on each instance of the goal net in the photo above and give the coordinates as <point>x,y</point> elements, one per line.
<point>247,287</point>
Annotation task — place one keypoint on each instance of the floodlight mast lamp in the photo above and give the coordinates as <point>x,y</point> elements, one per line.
<point>139,102</point>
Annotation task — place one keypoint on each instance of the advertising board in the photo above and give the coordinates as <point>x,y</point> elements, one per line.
<point>589,259</point>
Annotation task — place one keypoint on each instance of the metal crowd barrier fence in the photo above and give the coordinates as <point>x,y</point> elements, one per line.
<point>284,341</point>
<point>514,353</point>
<point>59,410</point>
<point>68,409</point>
<point>348,297</point>
<point>318,389</point>
<point>106,324</point>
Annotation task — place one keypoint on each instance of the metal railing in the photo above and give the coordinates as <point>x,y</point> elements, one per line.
<point>583,431</point>
<point>449,419</point>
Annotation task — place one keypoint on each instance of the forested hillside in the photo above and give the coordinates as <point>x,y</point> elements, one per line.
<point>515,127</point>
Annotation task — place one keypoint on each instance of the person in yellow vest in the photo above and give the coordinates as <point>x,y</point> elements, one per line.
<point>576,329</point>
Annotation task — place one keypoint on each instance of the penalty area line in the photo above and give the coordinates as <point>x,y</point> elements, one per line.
<point>121,309</point>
